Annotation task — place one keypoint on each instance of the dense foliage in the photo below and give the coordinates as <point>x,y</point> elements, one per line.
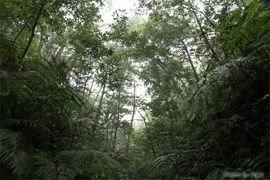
<point>69,90</point>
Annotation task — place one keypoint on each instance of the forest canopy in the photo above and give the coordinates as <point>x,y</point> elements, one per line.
<point>73,104</point>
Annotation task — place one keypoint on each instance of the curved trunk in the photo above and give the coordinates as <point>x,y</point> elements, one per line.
<point>33,29</point>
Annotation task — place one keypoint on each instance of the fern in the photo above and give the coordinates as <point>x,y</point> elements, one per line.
<point>50,167</point>
<point>88,164</point>
<point>260,161</point>
<point>24,122</point>
<point>14,153</point>
<point>92,164</point>
<point>161,166</point>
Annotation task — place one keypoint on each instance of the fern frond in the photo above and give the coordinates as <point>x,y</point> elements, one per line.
<point>14,154</point>
<point>92,163</point>
<point>24,122</point>
<point>163,165</point>
<point>259,162</point>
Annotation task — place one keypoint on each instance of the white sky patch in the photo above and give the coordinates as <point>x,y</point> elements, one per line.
<point>113,5</point>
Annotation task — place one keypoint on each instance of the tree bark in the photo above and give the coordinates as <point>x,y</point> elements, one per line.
<point>132,119</point>
<point>33,29</point>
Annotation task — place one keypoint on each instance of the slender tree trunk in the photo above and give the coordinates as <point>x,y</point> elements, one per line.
<point>206,42</point>
<point>115,136</point>
<point>190,61</point>
<point>91,87</point>
<point>33,29</point>
<point>102,95</point>
<point>41,42</point>
<point>24,26</point>
<point>148,134</point>
<point>107,139</point>
<point>107,132</point>
<point>101,98</point>
<point>92,84</point>
<point>59,52</point>
<point>176,75</point>
<point>132,119</point>
<point>56,50</point>
<point>118,119</point>
<point>97,95</point>
<point>210,22</point>
<point>72,130</point>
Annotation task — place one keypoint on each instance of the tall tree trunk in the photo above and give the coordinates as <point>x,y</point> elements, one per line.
<point>42,4</point>
<point>101,98</point>
<point>206,42</point>
<point>102,95</point>
<point>132,119</point>
<point>118,119</point>
<point>115,137</point>
<point>107,132</point>
<point>148,134</point>
<point>107,139</point>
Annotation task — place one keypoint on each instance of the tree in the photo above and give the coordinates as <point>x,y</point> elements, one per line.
<point>70,102</point>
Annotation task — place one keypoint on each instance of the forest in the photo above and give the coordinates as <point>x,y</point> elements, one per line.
<point>172,89</point>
